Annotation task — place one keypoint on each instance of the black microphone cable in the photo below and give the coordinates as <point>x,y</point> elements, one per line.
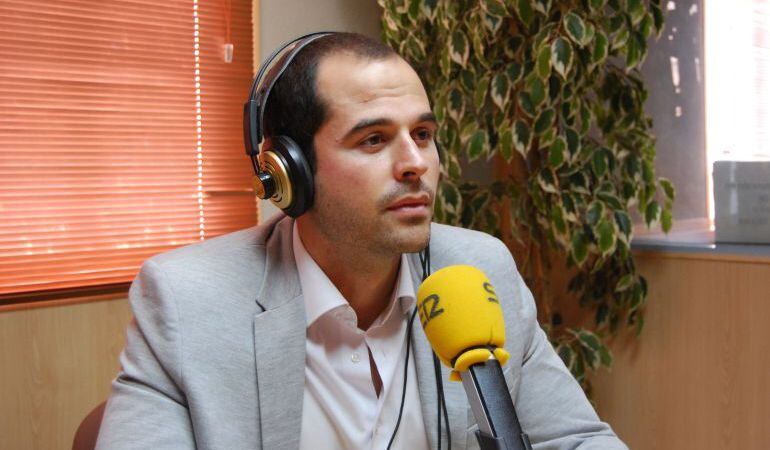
<point>425,263</point>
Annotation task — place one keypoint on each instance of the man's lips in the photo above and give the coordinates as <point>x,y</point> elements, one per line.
<point>409,202</point>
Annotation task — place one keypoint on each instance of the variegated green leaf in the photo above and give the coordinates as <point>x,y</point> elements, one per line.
<point>543,6</point>
<point>666,220</point>
<point>414,10</point>
<point>621,38</point>
<point>524,10</point>
<point>479,49</point>
<point>596,5</point>
<point>623,221</point>
<point>506,144</point>
<point>633,52</point>
<point>477,144</point>
<point>495,8</point>
<point>575,27</point>
<point>413,48</point>
<point>556,152</point>
<point>606,236</point>
<point>493,23</point>
<point>514,72</point>
<point>657,16</point>
<point>445,63</point>
<point>459,48</point>
<point>625,282</point>
<point>544,62</point>
<point>590,31</point>
<point>561,56</point>
<point>429,8</point>
<point>536,90</point>
<point>456,105</point>
<point>522,137</point>
<point>557,219</point>
<point>573,142</point>
<point>511,46</point>
<point>579,247</point>
<point>599,164</point>
<point>636,10</point>
<point>480,94</point>
<point>668,188</point>
<point>468,130</point>
<point>390,23</point>
<point>500,90</point>
<point>544,121</point>
<point>525,103</point>
<point>547,181</point>
<point>601,48</point>
<point>645,27</point>
<point>547,137</point>
<point>452,196</point>
<point>652,213</point>
<point>595,212</point>
<point>468,80</point>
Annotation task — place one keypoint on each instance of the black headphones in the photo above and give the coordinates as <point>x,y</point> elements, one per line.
<point>282,173</point>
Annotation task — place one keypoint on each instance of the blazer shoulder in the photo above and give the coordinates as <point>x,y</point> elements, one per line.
<point>460,244</point>
<point>230,265</point>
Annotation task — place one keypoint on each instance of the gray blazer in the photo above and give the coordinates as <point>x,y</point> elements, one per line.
<point>215,355</point>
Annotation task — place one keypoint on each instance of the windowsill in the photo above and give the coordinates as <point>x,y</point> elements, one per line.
<point>696,238</point>
<point>63,297</point>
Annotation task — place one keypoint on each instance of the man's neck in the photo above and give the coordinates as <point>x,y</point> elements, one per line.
<point>366,280</point>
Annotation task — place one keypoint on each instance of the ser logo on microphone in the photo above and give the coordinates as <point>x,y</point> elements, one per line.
<point>490,290</point>
<point>429,309</point>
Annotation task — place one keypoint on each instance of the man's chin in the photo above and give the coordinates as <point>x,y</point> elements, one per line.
<point>410,239</point>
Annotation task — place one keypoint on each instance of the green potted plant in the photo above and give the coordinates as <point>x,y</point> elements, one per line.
<point>549,93</point>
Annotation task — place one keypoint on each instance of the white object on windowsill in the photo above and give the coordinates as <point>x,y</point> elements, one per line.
<point>742,201</point>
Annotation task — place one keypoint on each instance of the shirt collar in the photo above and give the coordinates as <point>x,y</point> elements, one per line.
<point>321,295</point>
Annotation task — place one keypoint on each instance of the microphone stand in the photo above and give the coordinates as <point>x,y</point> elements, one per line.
<point>492,406</point>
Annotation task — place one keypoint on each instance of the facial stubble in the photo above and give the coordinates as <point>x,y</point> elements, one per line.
<point>376,232</point>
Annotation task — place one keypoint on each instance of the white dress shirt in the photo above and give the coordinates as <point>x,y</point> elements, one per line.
<point>340,407</point>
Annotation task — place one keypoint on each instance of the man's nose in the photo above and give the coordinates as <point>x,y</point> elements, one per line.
<point>410,159</point>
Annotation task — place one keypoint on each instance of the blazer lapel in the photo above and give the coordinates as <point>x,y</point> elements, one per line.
<point>454,394</point>
<point>279,344</point>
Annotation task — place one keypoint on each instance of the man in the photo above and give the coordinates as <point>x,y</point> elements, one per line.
<point>292,334</point>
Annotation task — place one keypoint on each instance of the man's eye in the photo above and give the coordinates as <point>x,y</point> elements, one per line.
<point>424,134</point>
<point>372,141</point>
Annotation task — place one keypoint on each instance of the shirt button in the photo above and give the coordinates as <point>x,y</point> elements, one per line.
<point>355,357</point>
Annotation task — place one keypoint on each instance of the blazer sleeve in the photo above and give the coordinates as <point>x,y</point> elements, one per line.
<point>147,406</point>
<point>551,405</point>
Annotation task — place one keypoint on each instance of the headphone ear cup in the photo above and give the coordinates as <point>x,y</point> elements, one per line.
<point>300,175</point>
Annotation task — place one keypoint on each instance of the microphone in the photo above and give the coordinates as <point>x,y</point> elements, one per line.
<point>463,321</point>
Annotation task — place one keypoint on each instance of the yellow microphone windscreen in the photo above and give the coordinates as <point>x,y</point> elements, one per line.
<point>462,318</point>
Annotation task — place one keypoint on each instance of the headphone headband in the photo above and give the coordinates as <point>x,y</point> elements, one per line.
<point>254,109</point>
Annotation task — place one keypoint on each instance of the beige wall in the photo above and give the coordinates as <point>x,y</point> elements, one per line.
<point>56,364</point>
<point>699,377</point>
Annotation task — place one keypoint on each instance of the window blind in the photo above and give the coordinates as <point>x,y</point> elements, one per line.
<point>120,135</point>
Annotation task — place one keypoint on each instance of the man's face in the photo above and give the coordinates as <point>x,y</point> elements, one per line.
<point>377,163</point>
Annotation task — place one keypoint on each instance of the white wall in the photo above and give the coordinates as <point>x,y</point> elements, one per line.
<point>282,20</point>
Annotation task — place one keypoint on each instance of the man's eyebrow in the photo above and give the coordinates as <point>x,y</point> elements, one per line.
<point>428,117</point>
<point>366,123</point>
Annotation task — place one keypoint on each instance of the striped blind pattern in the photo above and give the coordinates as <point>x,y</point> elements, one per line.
<point>120,135</point>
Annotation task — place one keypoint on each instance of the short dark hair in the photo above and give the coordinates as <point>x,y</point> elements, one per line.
<point>294,108</point>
